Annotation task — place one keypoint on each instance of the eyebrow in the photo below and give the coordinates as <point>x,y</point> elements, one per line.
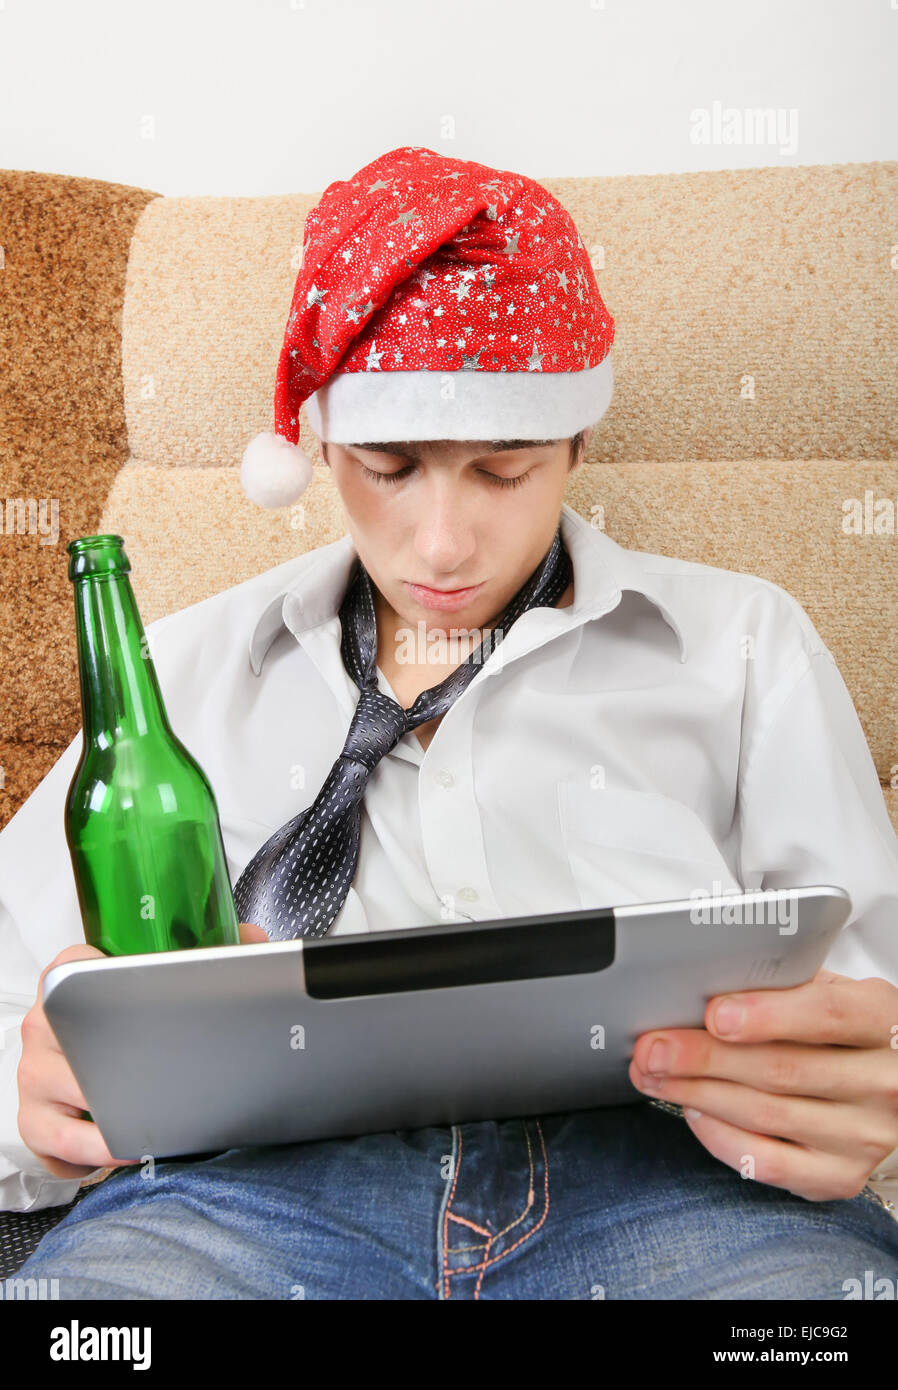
<point>401,448</point>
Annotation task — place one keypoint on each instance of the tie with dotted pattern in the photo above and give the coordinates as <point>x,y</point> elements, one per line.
<point>296,884</point>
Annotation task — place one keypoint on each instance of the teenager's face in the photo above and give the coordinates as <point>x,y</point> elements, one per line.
<point>456,515</point>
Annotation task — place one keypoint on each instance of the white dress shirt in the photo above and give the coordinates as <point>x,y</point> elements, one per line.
<point>677,727</point>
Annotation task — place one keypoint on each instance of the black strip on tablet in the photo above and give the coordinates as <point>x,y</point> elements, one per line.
<point>477,954</point>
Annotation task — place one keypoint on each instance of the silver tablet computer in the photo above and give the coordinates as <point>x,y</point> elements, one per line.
<point>199,1051</point>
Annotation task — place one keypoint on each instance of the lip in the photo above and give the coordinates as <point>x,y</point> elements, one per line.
<point>444,600</point>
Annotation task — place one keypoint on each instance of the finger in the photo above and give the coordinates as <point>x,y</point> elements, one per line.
<point>250,933</point>
<point>37,1035</point>
<point>51,1133</point>
<point>856,1075</point>
<point>79,952</point>
<point>865,1134</point>
<point>824,976</point>
<point>837,1010</point>
<point>807,1173</point>
<point>47,1077</point>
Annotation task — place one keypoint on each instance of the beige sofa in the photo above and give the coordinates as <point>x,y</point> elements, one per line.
<point>755,360</point>
<point>753,424</point>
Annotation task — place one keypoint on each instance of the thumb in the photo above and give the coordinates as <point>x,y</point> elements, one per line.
<point>251,933</point>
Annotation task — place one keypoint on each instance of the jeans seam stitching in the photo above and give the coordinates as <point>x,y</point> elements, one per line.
<point>456,1165</point>
<point>486,1261</point>
<point>491,1239</point>
<point>496,1258</point>
<point>530,1192</point>
<point>481,1230</point>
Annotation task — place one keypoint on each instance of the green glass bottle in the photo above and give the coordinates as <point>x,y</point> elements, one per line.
<point>140,818</point>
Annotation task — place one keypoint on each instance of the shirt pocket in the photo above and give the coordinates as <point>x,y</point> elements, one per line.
<point>632,846</point>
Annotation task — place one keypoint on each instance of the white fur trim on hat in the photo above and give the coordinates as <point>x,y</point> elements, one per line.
<point>365,407</point>
<point>274,472</point>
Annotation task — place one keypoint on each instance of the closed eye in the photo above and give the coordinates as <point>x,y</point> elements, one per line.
<point>403,472</point>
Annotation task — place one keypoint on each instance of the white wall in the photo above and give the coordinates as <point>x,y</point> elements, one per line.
<point>271,96</point>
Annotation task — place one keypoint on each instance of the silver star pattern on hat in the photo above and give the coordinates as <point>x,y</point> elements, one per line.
<point>414,264</point>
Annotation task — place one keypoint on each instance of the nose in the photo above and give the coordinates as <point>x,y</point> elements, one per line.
<point>445,539</point>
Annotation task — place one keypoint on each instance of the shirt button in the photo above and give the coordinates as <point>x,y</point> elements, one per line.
<point>444,777</point>
<point>470,895</point>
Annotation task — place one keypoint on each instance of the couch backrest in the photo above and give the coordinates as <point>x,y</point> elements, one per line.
<point>755,359</point>
<point>64,246</point>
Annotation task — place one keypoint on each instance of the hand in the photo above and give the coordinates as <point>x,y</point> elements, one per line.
<point>802,1090</point>
<point>51,1104</point>
<point>250,934</point>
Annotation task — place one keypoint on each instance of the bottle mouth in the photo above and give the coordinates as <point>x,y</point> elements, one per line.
<point>87,542</point>
<point>97,555</point>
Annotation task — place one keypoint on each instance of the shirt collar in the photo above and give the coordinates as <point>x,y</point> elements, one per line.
<point>602,570</point>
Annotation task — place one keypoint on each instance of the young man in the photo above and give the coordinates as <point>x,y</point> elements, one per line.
<point>473,351</point>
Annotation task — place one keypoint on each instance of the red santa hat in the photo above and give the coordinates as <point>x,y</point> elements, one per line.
<point>437,299</point>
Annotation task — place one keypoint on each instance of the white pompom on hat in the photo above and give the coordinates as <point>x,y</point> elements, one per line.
<point>274,472</point>
<point>437,298</point>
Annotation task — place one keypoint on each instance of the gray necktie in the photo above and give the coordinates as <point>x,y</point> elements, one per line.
<point>296,884</point>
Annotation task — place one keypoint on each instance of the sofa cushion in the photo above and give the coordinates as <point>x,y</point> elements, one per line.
<point>64,256</point>
<point>754,314</point>
<point>756,341</point>
<point>191,532</point>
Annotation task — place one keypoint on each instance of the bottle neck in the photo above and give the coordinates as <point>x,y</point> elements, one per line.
<point>120,696</point>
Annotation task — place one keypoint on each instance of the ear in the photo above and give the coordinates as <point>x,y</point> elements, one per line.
<point>581,452</point>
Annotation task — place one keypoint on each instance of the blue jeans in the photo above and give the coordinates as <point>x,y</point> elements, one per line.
<point>616,1203</point>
